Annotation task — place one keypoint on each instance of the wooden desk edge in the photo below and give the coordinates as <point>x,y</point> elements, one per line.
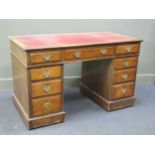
<point>22,46</point>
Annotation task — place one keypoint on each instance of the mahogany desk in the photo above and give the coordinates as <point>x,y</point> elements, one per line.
<point>109,65</point>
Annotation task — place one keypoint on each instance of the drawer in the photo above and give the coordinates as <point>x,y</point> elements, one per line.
<point>46,105</point>
<point>89,53</point>
<point>45,57</point>
<point>127,49</point>
<point>124,75</point>
<point>46,73</point>
<point>122,63</point>
<point>46,88</point>
<point>122,90</point>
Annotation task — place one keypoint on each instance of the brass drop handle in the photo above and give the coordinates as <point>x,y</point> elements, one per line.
<point>123,91</point>
<point>104,51</point>
<point>77,54</point>
<point>46,74</point>
<point>47,57</point>
<point>128,49</point>
<point>125,76</point>
<point>47,105</point>
<point>126,63</point>
<point>47,88</point>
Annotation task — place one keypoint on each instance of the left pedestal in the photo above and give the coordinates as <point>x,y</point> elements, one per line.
<point>37,88</point>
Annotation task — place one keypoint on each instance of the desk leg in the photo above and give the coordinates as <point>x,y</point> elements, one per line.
<point>97,83</point>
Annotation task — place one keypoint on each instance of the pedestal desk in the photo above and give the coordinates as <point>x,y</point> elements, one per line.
<point>109,65</point>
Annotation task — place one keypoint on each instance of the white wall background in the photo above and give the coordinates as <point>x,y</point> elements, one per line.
<point>142,29</point>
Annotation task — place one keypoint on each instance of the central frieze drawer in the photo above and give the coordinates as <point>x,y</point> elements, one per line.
<point>44,73</point>
<point>88,53</point>
<point>46,88</point>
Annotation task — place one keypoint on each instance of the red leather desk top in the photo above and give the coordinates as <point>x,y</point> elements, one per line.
<point>29,42</point>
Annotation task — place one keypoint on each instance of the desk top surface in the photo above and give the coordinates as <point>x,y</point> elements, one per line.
<point>32,42</point>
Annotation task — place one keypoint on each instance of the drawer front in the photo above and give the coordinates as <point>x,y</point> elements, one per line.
<point>122,90</point>
<point>45,57</point>
<point>127,49</point>
<point>89,53</point>
<point>46,73</point>
<point>46,105</point>
<point>124,75</point>
<point>122,63</point>
<point>46,88</point>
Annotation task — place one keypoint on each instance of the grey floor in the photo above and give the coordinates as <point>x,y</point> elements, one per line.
<point>86,117</point>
